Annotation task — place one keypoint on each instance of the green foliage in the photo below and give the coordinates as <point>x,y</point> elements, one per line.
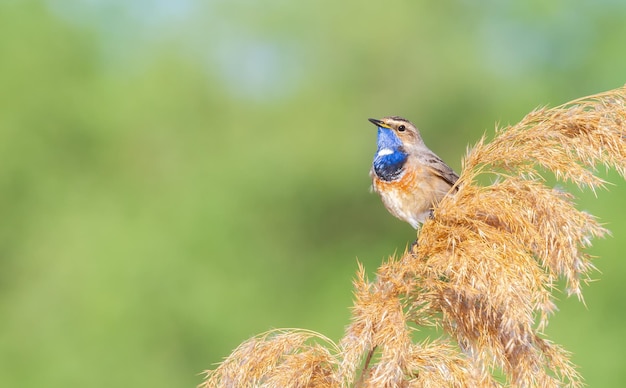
<point>170,186</point>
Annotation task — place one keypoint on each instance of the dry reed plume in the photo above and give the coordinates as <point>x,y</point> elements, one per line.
<point>484,271</point>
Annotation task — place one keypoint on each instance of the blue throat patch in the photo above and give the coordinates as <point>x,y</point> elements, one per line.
<point>388,165</point>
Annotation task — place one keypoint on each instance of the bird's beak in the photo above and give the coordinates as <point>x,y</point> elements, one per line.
<point>379,123</point>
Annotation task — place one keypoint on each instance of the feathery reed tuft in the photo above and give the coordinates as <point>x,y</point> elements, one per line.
<point>484,270</point>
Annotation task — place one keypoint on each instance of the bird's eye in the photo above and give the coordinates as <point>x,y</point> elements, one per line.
<point>401,128</point>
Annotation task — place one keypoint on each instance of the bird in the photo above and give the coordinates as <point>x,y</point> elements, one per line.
<point>409,177</point>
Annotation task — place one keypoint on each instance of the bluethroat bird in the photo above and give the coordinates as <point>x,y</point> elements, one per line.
<point>407,175</point>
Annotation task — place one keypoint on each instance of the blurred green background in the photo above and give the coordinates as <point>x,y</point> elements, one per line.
<point>177,176</point>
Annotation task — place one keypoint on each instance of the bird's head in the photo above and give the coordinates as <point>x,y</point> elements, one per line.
<point>397,137</point>
<point>395,132</point>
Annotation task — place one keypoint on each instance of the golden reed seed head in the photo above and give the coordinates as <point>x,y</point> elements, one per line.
<point>483,270</point>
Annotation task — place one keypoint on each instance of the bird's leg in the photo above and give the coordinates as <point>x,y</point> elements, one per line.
<point>413,246</point>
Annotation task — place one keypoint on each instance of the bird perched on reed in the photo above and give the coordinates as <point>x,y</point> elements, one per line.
<point>407,175</point>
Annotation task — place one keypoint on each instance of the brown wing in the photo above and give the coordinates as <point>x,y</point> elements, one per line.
<point>439,168</point>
